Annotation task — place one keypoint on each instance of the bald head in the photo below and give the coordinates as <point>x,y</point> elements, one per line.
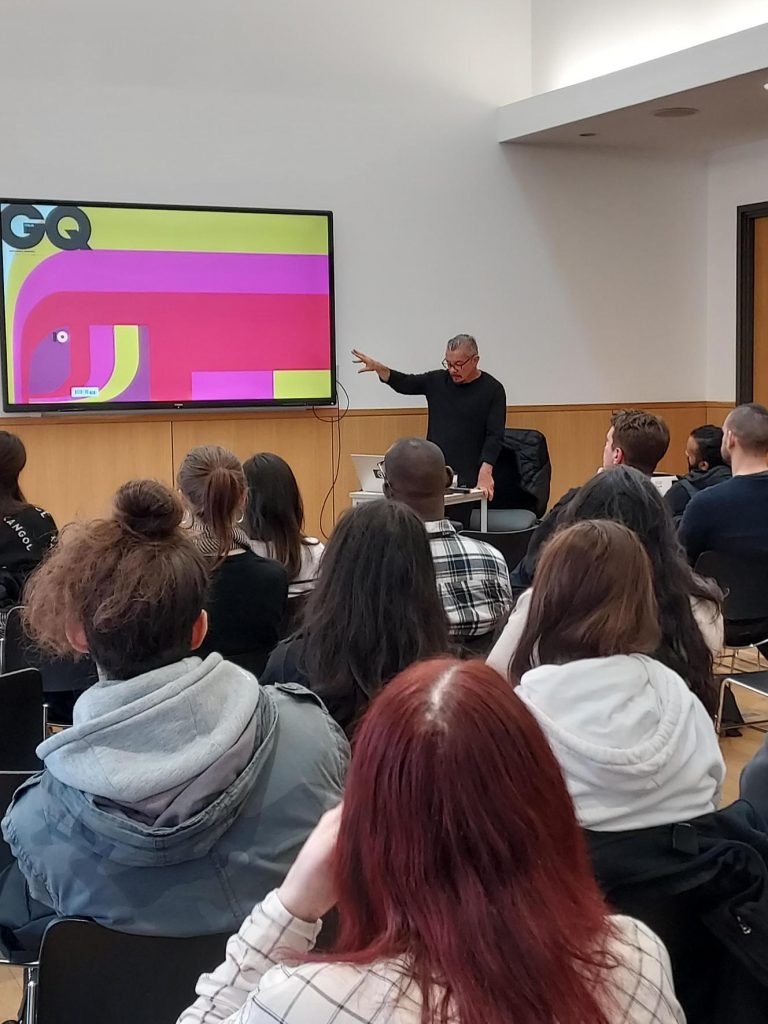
<point>417,475</point>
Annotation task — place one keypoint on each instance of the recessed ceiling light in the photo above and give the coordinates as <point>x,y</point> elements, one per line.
<point>676,112</point>
<point>587,135</point>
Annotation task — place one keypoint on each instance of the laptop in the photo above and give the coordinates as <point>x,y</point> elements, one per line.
<point>368,473</point>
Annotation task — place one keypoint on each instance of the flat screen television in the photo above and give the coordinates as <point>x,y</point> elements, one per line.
<point>119,306</point>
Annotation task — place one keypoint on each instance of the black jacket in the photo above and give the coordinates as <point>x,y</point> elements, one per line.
<point>680,493</point>
<point>523,472</point>
<point>702,886</point>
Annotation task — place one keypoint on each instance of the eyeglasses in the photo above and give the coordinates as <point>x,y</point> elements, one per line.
<point>457,366</point>
<point>379,472</point>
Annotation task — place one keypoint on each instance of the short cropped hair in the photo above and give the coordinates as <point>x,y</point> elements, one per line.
<point>709,443</point>
<point>462,341</point>
<point>643,437</point>
<point>749,425</point>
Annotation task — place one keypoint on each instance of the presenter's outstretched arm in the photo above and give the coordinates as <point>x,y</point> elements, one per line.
<point>368,365</point>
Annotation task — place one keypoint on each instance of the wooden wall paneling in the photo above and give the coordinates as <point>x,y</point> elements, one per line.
<point>74,468</point>
<point>717,412</point>
<point>302,440</point>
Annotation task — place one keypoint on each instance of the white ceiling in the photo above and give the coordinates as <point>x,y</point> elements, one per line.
<point>723,79</point>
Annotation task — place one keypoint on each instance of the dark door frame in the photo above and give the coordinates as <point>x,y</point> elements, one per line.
<point>745,298</point>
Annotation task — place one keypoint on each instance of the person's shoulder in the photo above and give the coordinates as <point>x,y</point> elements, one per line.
<point>481,548</point>
<point>265,568</point>
<point>641,954</point>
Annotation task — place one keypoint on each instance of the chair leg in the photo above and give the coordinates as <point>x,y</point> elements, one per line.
<point>30,995</point>
<point>724,684</point>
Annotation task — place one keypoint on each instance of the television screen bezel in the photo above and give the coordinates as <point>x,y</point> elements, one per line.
<point>237,403</point>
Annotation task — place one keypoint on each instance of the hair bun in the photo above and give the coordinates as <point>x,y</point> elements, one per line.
<point>148,508</point>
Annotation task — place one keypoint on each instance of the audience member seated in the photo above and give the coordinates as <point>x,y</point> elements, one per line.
<point>472,576</point>
<point>27,533</point>
<point>274,521</point>
<point>733,518</point>
<point>635,438</point>
<point>374,611</point>
<point>690,618</point>
<point>248,593</point>
<point>703,451</point>
<point>184,790</point>
<point>462,882</point>
<point>636,746</point>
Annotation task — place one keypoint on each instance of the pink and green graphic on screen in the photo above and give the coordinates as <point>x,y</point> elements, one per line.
<point>168,306</point>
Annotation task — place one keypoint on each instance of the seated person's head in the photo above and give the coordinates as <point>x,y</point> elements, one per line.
<point>129,590</point>
<point>627,496</point>
<point>274,512</point>
<point>13,459</point>
<point>458,848</point>
<point>593,597</point>
<point>375,608</point>
<point>703,449</point>
<point>212,482</point>
<point>415,473</point>
<point>745,433</point>
<point>635,438</point>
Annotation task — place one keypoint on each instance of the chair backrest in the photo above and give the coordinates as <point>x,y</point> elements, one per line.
<point>91,973</point>
<point>58,674</point>
<point>743,579</point>
<point>504,520</point>
<point>512,545</point>
<point>22,720</point>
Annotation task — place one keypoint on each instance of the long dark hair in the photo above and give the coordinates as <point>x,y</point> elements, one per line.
<point>627,496</point>
<point>13,458</point>
<point>135,582</point>
<point>458,849</point>
<point>212,481</point>
<point>274,514</point>
<point>375,608</point>
<point>592,598</point>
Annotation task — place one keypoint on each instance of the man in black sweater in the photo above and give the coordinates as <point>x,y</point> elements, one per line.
<point>733,517</point>
<point>467,408</point>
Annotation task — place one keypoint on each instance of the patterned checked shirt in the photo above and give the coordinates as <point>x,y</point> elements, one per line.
<point>472,580</point>
<point>252,987</point>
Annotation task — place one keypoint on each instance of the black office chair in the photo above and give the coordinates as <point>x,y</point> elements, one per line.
<point>23,721</point>
<point>504,520</point>
<point>9,783</point>
<point>89,973</point>
<point>512,545</point>
<point>64,679</point>
<point>744,581</point>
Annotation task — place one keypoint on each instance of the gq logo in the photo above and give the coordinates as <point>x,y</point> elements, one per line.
<point>24,227</point>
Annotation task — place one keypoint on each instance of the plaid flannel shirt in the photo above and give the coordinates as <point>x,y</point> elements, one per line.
<point>253,987</point>
<point>472,580</point>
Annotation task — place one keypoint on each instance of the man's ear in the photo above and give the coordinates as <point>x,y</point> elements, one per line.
<point>77,639</point>
<point>448,477</point>
<point>704,465</point>
<point>199,630</point>
<point>619,458</point>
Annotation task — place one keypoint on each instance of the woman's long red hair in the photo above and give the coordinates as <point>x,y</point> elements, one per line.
<point>459,849</point>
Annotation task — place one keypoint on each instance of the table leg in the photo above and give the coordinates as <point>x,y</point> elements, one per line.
<point>484,515</point>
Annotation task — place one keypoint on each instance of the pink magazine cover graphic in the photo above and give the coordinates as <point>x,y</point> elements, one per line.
<point>168,326</point>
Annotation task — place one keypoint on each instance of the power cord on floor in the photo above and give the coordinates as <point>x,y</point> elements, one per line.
<point>335,422</point>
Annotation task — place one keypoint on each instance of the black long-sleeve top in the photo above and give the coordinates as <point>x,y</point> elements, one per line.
<point>466,421</point>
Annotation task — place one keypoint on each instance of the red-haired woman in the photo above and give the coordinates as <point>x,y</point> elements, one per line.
<point>461,879</point>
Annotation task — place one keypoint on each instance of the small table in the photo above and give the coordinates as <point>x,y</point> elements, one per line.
<point>476,494</point>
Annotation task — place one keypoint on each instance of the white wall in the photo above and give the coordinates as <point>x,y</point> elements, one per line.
<point>736,177</point>
<point>574,40</point>
<point>580,273</point>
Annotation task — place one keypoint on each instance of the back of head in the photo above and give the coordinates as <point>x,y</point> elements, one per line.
<point>415,473</point>
<point>627,496</point>
<point>709,443</point>
<point>642,437</point>
<point>749,425</point>
<point>375,607</point>
<point>275,512</point>
<point>212,481</point>
<point>592,598</point>
<point>135,583</point>
<point>13,459</point>
<point>459,848</point>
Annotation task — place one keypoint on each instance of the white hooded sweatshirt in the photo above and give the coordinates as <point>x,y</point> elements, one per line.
<point>637,749</point>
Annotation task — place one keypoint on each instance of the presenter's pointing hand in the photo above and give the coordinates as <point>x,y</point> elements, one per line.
<point>368,365</point>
